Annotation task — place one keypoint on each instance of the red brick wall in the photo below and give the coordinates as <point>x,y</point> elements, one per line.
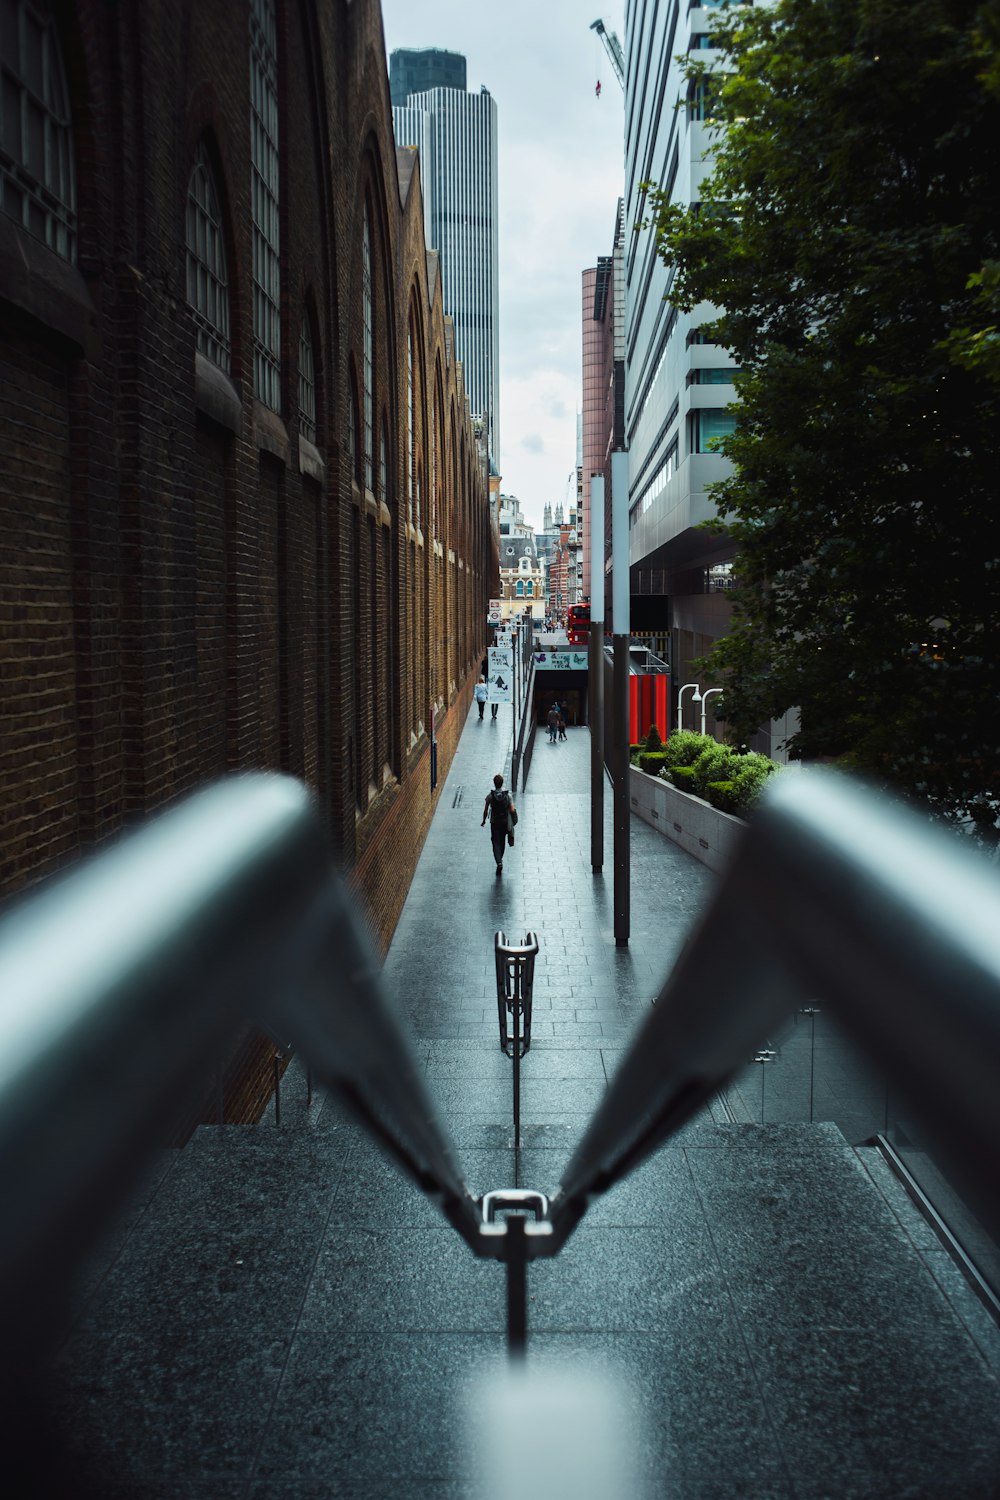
<point>182,593</point>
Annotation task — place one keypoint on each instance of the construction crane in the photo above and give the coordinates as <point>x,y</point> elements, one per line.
<point>613,48</point>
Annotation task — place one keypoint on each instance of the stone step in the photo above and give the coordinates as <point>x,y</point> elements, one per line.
<point>286,1316</point>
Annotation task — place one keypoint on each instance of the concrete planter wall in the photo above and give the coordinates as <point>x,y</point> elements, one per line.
<point>697,826</point>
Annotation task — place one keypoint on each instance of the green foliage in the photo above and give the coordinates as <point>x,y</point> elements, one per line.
<point>681,776</point>
<point>850,228</point>
<point>717,763</point>
<point>651,761</point>
<point>720,795</point>
<point>684,746</point>
<point>653,740</point>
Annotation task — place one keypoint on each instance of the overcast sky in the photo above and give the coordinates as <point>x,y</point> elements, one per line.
<point>561,169</point>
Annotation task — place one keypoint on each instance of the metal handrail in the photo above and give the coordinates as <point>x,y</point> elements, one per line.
<point>115,979</point>
<point>120,978</point>
<point>834,894</point>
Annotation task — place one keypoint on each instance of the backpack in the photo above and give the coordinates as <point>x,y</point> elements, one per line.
<point>499,806</point>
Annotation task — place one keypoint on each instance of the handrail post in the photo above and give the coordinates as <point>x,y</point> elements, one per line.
<point>517,1074</point>
<point>517,1288</point>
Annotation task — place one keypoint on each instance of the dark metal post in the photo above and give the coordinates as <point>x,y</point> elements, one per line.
<point>277,1089</point>
<point>619,719</point>
<point>517,1288</point>
<point>620,764</point>
<point>595,677</point>
<point>515,1012</point>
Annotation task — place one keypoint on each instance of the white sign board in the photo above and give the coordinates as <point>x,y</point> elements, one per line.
<point>495,612</point>
<point>561,661</point>
<point>504,638</point>
<point>500,676</point>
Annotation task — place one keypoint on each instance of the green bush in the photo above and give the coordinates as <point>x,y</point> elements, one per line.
<point>651,761</point>
<point>653,740</point>
<point>715,763</point>
<point>684,746</point>
<point>720,794</point>
<point>753,773</point>
<point>681,776</point>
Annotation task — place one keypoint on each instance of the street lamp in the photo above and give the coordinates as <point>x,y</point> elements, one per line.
<point>704,699</point>
<point>680,701</point>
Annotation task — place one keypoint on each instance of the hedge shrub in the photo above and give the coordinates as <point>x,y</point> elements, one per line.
<point>684,746</point>
<point>653,739</point>
<point>651,761</point>
<point>716,763</point>
<point>680,776</point>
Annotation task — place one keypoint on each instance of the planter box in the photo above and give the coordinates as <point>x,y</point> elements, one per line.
<point>693,824</point>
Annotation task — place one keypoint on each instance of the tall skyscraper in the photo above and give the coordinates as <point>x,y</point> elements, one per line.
<point>414,70</point>
<point>456,134</point>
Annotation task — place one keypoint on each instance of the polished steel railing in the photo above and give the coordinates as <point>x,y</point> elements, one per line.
<point>120,976</point>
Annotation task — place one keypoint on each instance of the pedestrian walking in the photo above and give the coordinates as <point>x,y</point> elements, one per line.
<point>499,808</point>
<point>482,692</point>
<point>552,720</point>
<point>562,724</point>
<point>494,705</point>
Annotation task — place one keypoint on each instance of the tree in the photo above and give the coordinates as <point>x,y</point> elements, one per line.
<point>848,229</point>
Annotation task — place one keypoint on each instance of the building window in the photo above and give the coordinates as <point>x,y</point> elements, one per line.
<point>409,425</point>
<point>352,431</point>
<point>702,99</point>
<point>207,283</point>
<point>264,203</point>
<point>307,382</point>
<point>709,427</point>
<point>529,590</point>
<point>369,349</point>
<point>37,180</point>
<point>721,375</point>
<point>520,588</point>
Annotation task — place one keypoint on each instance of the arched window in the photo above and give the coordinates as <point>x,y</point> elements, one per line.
<point>529,590</point>
<point>37,178</point>
<point>520,588</point>
<point>369,349</point>
<point>410,398</point>
<point>352,429</point>
<point>264,203</point>
<point>307,381</point>
<point>207,282</point>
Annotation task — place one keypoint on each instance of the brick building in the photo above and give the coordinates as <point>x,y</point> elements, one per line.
<point>245,516</point>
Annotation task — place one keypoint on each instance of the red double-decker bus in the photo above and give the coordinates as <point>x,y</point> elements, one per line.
<point>578,624</point>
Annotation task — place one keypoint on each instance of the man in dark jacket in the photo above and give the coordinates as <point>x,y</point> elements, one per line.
<point>497,806</point>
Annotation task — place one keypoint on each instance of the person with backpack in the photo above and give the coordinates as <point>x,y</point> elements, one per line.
<point>499,807</point>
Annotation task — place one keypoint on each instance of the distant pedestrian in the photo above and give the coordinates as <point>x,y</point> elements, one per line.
<point>482,692</point>
<point>494,705</point>
<point>552,720</point>
<point>499,807</point>
<point>562,724</point>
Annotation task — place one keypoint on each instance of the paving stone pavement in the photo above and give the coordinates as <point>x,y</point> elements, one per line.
<point>280,1314</point>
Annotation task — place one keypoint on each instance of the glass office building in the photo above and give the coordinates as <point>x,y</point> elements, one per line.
<point>456,134</point>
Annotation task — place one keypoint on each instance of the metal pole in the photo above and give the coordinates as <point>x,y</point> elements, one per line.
<point>595,678</point>
<point>516,988</point>
<point>517,1288</point>
<point>619,721</point>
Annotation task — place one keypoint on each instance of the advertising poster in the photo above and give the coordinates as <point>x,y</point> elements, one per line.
<point>500,676</point>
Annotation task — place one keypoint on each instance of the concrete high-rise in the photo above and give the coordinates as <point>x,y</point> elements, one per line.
<point>677,384</point>
<point>455,132</point>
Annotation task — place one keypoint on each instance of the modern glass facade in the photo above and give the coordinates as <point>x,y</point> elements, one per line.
<point>414,70</point>
<point>677,386</point>
<point>456,135</point>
